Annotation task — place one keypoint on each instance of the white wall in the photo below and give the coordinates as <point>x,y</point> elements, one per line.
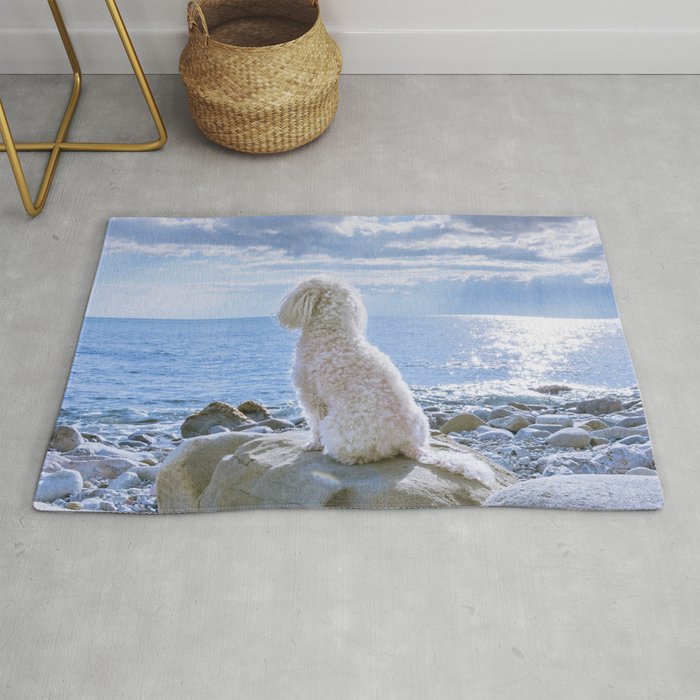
<point>393,36</point>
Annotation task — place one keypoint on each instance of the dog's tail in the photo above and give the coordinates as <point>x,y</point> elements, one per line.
<point>463,463</point>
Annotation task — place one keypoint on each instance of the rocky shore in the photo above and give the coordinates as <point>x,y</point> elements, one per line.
<point>522,442</point>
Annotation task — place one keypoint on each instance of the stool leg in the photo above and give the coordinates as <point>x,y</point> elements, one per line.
<point>60,144</point>
<point>34,207</point>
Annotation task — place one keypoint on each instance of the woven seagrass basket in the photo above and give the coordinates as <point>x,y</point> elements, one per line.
<point>261,75</point>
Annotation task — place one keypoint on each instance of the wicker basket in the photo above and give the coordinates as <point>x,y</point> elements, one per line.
<point>261,75</point>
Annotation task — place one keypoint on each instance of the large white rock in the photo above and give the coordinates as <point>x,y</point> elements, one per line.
<point>274,471</point>
<point>187,470</point>
<point>59,484</point>
<point>569,437</point>
<point>583,492</point>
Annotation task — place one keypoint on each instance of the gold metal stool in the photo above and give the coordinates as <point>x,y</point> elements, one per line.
<point>59,144</point>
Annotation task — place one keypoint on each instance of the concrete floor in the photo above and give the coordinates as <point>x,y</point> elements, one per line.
<point>450,604</point>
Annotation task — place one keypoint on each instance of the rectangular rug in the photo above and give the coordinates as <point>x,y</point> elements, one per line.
<point>350,362</point>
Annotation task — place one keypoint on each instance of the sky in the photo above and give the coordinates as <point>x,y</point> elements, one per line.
<point>403,265</point>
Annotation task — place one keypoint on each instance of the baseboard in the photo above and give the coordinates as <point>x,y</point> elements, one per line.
<point>514,52</point>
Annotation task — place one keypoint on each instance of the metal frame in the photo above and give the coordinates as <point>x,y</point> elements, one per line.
<point>56,147</point>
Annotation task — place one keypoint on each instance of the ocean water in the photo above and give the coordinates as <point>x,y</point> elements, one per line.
<point>131,373</point>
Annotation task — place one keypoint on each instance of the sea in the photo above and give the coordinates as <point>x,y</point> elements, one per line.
<point>131,374</point>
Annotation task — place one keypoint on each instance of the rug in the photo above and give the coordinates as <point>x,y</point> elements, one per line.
<point>350,362</point>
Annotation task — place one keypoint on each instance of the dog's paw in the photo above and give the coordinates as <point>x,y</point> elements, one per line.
<point>312,446</point>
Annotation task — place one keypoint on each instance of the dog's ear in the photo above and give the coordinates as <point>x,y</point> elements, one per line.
<point>298,307</point>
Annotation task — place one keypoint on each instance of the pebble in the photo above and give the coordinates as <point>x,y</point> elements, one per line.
<point>554,419</point>
<point>632,440</point>
<point>125,481</point>
<point>495,434</point>
<point>511,423</point>
<point>570,437</point>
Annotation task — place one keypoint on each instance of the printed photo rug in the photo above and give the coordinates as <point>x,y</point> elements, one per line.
<point>350,362</point>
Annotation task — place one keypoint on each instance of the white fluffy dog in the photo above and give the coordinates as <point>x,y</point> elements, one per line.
<point>357,405</point>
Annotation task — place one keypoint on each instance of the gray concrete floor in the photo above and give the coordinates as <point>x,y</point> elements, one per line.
<point>447,604</point>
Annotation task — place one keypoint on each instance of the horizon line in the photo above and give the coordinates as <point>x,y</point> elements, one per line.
<point>273,316</point>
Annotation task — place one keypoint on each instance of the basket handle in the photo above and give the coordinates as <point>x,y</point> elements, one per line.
<point>197,20</point>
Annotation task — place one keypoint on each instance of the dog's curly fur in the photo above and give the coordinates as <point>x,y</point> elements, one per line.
<point>357,405</point>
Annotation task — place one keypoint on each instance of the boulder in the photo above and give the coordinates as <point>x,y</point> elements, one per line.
<point>556,470</point>
<point>502,412</point>
<point>65,438</point>
<point>54,462</point>
<point>94,450</point>
<point>101,467</point>
<point>547,428</point>
<point>218,429</point>
<point>632,422</point>
<point>254,410</point>
<point>187,470</point>
<point>592,424</point>
<point>124,481</point>
<point>642,471</point>
<point>481,412</point>
<point>554,419</point>
<point>277,424</point>
<point>147,473</point>
<point>142,437</point>
<point>570,437</point>
<point>600,406</point>
<point>512,423</point>
<point>619,459</point>
<point>582,492</point>
<point>274,471</point>
<point>617,433</point>
<point>494,434</point>
<point>58,484</point>
<point>632,440</point>
<point>532,432</point>
<point>464,422</point>
<point>552,389</point>
<point>216,413</point>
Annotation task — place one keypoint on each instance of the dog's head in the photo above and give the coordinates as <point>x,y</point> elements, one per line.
<point>323,301</point>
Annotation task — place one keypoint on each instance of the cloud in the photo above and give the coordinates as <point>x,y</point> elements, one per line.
<point>240,266</point>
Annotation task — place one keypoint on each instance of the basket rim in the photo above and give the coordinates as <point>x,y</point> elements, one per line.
<point>210,40</point>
